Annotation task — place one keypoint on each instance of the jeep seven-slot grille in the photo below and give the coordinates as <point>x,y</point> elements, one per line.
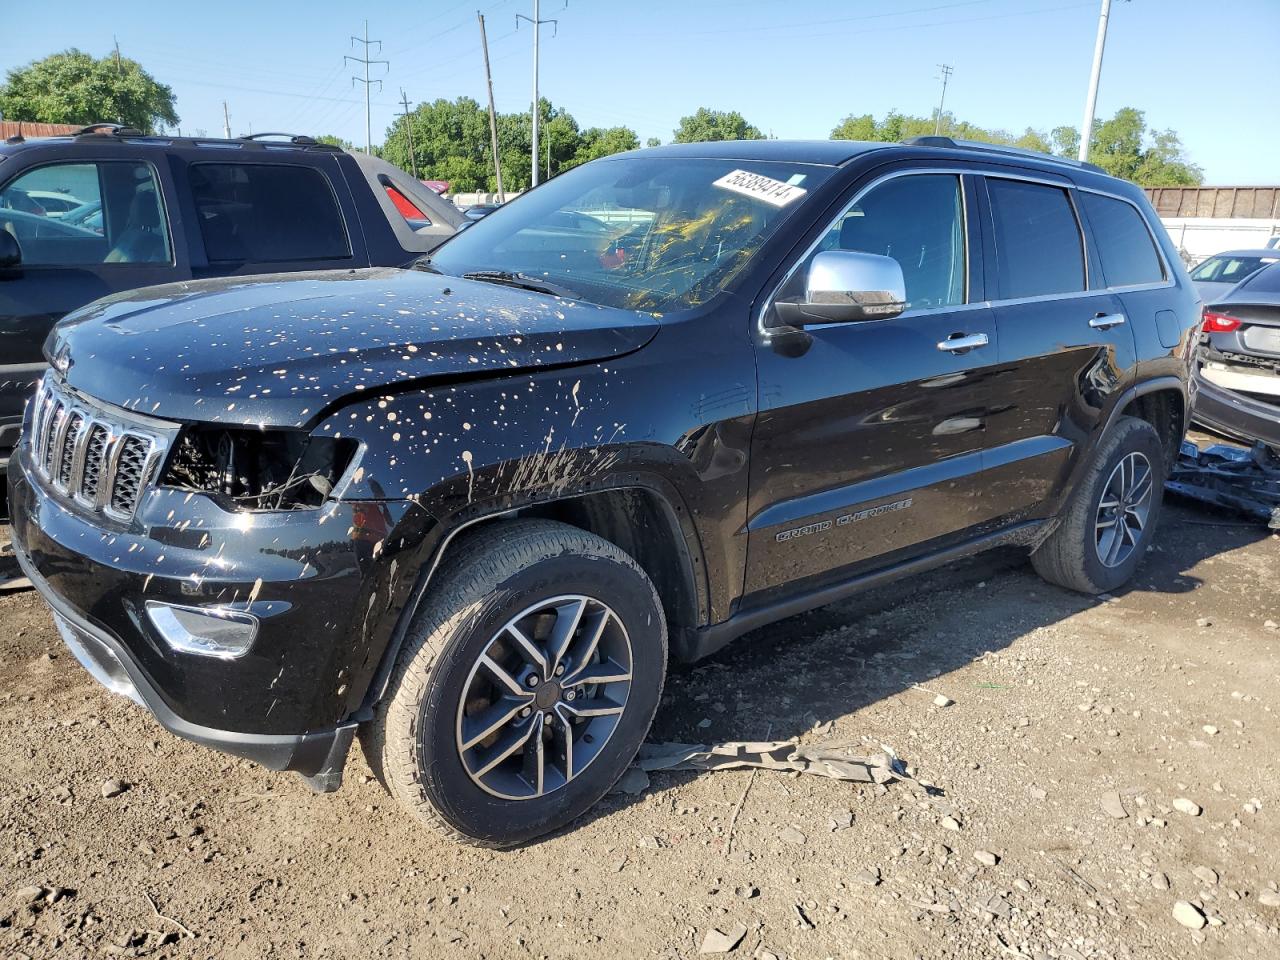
<point>89,454</point>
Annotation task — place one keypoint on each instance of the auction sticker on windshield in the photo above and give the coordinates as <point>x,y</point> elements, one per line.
<point>773,192</point>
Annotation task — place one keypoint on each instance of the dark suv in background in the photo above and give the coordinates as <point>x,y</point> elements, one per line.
<point>108,210</point>
<point>470,509</point>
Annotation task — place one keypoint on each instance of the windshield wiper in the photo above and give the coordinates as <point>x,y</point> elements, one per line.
<point>511,279</point>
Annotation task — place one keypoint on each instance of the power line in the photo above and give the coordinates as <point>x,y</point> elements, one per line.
<point>437,34</point>
<point>776,30</point>
<point>309,114</point>
<point>283,93</point>
<point>368,127</point>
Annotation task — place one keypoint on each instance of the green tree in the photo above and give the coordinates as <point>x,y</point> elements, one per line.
<point>863,127</point>
<point>597,142</point>
<point>707,125</point>
<point>451,142</point>
<point>653,142</point>
<point>1125,147</point>
<point>1066,141</point>
<point>73,87</point>
<point>334,141</point>
<point>896,127</point>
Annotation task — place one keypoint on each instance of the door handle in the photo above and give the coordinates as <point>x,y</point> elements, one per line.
<point>1105,321</point>
<point>960,343</point>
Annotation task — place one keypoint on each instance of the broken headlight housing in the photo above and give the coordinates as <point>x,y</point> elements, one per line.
<point>249,469</point>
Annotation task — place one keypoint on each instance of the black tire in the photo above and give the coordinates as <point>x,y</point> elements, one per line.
<point>412,743</point>
<point>1069,557</point>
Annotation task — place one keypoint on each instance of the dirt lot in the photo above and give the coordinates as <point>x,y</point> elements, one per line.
<point>1167,691</point>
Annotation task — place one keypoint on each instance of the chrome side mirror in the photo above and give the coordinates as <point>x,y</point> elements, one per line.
<point>845,285</point>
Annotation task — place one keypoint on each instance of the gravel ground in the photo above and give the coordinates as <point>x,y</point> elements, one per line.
<point>1083,738</point>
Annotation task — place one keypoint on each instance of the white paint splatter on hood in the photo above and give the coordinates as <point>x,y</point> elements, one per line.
<point>276,350</point>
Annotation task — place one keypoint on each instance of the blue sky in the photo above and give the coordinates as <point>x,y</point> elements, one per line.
<point>794,68</point>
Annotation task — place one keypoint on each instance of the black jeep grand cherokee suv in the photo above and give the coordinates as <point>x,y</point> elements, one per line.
<point>470,509</point>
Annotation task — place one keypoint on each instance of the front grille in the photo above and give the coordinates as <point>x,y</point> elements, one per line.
<point>95,451</point>
<point>130,466</point>
<point>68,454</point>
<point>98,457</point>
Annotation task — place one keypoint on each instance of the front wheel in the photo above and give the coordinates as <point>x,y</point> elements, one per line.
<point>1109,521</point>
<point>526,684</point>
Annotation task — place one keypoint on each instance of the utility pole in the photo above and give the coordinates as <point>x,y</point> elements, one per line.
<point>226,121</point>
<point>408,128</point>
<point>119,69</point>
<point>947,70</point>
<point>493,117</point>
<point>533,153</point>
<point>1086,128</point>
<point>368,127</point>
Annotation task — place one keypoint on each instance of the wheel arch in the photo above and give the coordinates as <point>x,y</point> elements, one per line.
<point>1162,402</point>
<point>648,522</point>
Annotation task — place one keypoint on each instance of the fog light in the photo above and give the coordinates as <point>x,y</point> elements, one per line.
<point>205,631</point>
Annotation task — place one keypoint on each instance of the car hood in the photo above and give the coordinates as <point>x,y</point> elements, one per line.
<point>278,350</point>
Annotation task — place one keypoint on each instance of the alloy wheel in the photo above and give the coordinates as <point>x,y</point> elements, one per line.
<point>1123,510</point>
<point>544,697</point>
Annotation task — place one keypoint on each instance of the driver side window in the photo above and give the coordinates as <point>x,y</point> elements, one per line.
<point>84,214</point>
<point>917,220</point>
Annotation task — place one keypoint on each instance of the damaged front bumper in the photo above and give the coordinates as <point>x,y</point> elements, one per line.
<point>308,578</point>
<point>318,756</point>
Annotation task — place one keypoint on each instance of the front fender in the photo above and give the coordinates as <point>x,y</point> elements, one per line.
<point>467,451</point>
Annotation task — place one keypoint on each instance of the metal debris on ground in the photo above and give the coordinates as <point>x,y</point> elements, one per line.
<point>837,762</point>
<point>1231,477</point>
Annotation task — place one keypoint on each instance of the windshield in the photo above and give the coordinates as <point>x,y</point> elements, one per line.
<point>1226,268</point>
<point>643,233</point>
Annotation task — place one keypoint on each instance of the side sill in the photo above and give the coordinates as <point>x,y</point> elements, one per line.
<point>702,643</point>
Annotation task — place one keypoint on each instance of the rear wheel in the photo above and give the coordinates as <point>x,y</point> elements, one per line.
<point>526,684</point>
<point>1110,519</point>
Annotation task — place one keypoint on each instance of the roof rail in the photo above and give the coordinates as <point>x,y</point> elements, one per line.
<point>977,145</point>
<point>296,139</point>
<point>109,129</point>
<point>256,141</point>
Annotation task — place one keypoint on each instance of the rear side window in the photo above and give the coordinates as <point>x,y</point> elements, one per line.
<point>1124,243</point>
<point>404,206</point>
<point>267,213</point>
<point>1038,247</point>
